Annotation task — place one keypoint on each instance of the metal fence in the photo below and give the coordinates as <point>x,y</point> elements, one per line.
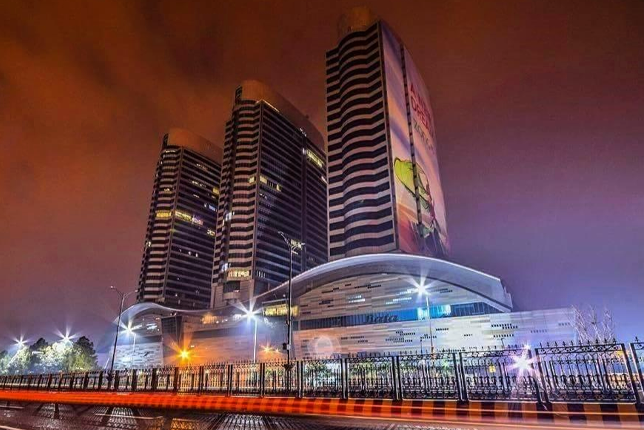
<point>608,373</point>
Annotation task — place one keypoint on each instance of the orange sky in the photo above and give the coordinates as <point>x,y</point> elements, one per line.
<point>538,108</point>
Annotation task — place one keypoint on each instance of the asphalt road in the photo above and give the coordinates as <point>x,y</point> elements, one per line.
<point>30,416</point>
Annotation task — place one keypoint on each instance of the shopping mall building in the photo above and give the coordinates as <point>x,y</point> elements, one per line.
<point>374,303</point>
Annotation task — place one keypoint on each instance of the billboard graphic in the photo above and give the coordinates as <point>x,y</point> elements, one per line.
<point>433,222</point>
<point>405,205</point>
<point>420,208</point>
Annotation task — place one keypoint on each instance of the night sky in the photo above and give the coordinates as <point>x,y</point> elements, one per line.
<point>539,109</point>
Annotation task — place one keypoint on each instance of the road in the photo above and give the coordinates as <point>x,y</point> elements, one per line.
<point>32,416</point>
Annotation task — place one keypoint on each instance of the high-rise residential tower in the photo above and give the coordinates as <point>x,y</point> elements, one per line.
<point>178,254</point>
<point>384,186</point>
<point>273,180</point>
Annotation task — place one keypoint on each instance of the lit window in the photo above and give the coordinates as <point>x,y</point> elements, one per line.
<point>163,214</point>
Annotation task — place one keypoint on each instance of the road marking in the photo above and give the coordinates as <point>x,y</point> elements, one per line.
<point>11,407</point>
<point>9,428</point>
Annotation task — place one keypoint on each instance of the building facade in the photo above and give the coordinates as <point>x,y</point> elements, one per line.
<point>273,180</point>
<point>178,254</point>
<point>385,192</point>
<point>378,303</point>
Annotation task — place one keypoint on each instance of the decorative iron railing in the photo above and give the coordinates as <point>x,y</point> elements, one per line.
<point>608,373</point>
<point>587,373</point>
<point>506,374</point>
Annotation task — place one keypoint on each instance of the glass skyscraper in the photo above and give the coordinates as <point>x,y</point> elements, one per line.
<point>179,246</point>
<point>273,180</point>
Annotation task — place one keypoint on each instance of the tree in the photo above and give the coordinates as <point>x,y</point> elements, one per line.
<point>4,361</point>
<point>19,363</point>
<point>37,350</point>
<point>591,327</point>
<point>81,357</point>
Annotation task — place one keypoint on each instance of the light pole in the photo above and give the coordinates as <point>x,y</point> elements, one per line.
<point>130,331</point>
<point>292,245</point>
<point>118,324</point>
<point>423,290</point>
<point>250,314</point>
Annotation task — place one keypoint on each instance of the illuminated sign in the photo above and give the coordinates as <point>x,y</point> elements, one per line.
<point>279,310</point>
<point>313,157</point>
<point>238,273</point>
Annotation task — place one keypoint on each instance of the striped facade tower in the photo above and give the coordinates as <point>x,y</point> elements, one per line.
<point>273,180</point>
<point>179,246</point>
<point>384,189</point>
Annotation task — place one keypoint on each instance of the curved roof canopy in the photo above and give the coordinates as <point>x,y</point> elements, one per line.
<point>415,266</point>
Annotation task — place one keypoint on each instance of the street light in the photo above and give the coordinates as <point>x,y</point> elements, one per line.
<point>250,315</point>
<point>118,324</point>
<point>292,245</point>
<point>129,330</point>
<point>423,290</point>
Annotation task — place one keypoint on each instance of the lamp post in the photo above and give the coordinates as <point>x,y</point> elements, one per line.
<point>422,290</point>
<point>118,324</point>
<point>130,331</point>
<point>292,245</point>
<point>250,314</point>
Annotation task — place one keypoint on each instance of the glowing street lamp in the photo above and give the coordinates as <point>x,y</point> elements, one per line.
<point>250,315</point>
<point>423,290</point>
<point>118,323</point>
<point>20,343</point>
<point>184,354</point>
<point>129,330</point>
<point>293,245</point>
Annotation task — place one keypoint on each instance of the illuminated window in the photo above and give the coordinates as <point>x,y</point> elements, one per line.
<point>163,214</point>
<point>215,191</point>
<point>211,232</point>
<point>251,180</point>
<point>228,216</point>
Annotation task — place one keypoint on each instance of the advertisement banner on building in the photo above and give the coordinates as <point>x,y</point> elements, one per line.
<point>433,222</point>
<point>405,205</point>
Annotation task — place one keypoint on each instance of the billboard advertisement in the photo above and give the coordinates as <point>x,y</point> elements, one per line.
<point>405,204</point>
<point>431,204</point>
<point>420,209</point>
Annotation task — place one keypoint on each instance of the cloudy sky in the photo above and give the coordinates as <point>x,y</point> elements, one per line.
<point>539,109</point>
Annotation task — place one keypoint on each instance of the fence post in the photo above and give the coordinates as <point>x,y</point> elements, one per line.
<point>300,379</point>
<point>533,377</point>
<point>262,379</point>
<point>176,381</point>
<point>154,381</point>
<point>200,381</point>
<point>134,380</point>
<point>398,380</point>
<point>461,372</point>
<point>344,377</point>
<point>627,360</point>
<point>637,365</point>
<point>542,378</point>
<point>457,377</point>
<point>229,380</point>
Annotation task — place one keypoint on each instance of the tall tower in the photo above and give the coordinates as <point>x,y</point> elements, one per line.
<point>384,186</point>
<point>273,180</point>
<point>179,245</point>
